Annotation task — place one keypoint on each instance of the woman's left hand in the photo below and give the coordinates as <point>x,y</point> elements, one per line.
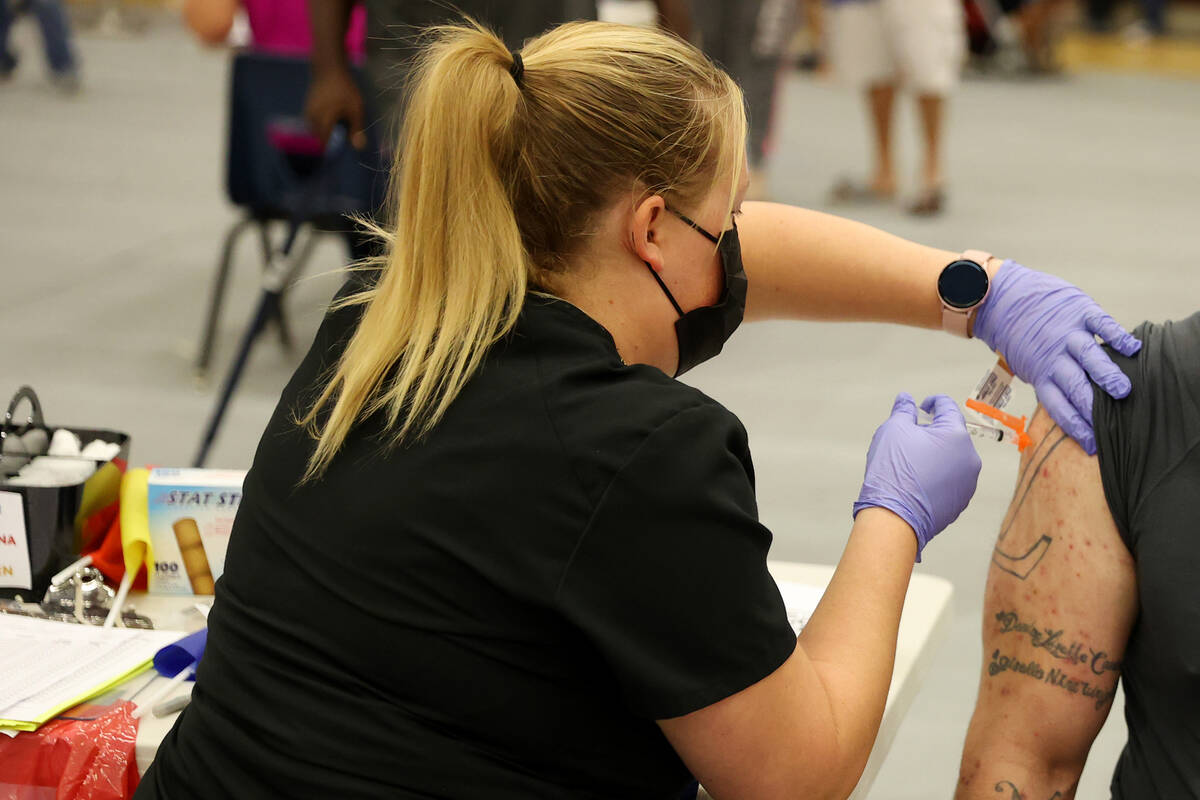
<point>1046,330</point>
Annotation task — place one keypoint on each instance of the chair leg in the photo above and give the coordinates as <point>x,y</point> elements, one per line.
<point>264,241</point>
<point>268,297</point>
<point>217,298</point>
<point>297,261</point>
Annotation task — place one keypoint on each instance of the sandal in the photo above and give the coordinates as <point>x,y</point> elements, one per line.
<point>929,203</point>
<point>850,192</point>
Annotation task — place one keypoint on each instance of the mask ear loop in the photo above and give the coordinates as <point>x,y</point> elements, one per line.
<point>663,286</point>
<point>691,223</point>
<point>696,227</point>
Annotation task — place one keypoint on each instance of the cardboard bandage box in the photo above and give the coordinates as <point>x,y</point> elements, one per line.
<point>191,514</point>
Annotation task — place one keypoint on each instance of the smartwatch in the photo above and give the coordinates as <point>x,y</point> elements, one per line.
<point>961,287</point>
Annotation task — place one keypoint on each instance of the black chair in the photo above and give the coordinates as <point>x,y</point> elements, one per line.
<point>266,94</point>
<point>279,171</point>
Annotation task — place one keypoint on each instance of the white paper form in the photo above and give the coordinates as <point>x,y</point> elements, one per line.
<point>46,666</point>
<point>15,572</point>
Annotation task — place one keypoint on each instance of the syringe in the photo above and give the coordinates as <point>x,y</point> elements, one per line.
<point>1014,427</point>
<point>979,430</point>
<point>991,394</point>
<point>990,433</point>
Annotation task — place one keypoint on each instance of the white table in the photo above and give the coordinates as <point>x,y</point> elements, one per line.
<point>168,613</point>
<point>923,625</point>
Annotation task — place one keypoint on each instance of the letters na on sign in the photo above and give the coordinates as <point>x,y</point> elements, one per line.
<point>15,571</point>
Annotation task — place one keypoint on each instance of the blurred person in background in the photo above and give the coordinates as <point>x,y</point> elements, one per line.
<point>276,26</point>
<point>392,25</point>
<point>877,46</point>
<point>391,46</point>
<point>748,39</point>
<point>1035,22</point>
<point>811,37</point>
<point>1154,17</point>
<point>56,37</point>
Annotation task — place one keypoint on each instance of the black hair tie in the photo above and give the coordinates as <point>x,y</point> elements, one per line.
<point>517,70</point>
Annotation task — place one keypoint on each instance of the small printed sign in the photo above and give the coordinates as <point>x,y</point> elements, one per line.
<point>15,572</point>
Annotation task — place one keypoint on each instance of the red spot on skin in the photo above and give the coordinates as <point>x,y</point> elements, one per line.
<point>1071,546</point>
<point>1072,492</point>
<point>1077,575</point>
<point>1087,542</point>
<point>1060,523</point>
<point>1005,692</point>
<point>1045,472</point>
<point>1026,597</point>
<point>1054,612</point>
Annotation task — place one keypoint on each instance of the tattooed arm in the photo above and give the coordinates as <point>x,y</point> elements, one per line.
<point>1061,599</point>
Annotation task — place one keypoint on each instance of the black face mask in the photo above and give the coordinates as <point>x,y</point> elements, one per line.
<point>702,332</point>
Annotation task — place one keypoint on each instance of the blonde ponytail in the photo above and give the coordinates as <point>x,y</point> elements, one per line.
<point>496,184</point>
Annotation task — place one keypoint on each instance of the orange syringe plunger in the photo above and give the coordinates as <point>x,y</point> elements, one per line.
<point>1015,424</point>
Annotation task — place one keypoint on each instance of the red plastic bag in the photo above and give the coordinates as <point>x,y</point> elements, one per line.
<point>73,757</point>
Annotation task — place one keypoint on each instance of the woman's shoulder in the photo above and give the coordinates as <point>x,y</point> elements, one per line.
<point>582,374</point>
<point>603,411</point>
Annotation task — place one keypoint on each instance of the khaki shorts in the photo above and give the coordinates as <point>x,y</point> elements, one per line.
<point>918,43</point>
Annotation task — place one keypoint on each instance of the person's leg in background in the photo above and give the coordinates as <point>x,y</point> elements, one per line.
<point>748,38</point>
<point>1037,21</point>
<point>861,57</point>
<point>881,101</point>
<point>930,41</point>
<point>812,55</point>
<point>1155,13</point>
<point>1099,14</point>
<point>767,26</point>
<point>8,61</point>
<point>931,197</point>
<point>56,36</point>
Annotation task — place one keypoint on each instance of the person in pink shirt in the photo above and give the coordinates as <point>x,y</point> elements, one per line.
<point>276,26</point>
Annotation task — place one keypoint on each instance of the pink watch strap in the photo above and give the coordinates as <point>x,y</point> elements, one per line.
<point>961,321</point>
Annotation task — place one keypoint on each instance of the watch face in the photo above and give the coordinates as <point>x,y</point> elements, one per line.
<point>963,284</point>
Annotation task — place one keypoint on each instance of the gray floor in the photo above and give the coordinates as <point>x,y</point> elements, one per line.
<point>111,210</point>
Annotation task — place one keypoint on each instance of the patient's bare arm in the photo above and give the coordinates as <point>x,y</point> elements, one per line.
<point>1061,598</point>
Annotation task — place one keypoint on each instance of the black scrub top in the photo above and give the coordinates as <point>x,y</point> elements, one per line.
<point>501,610</point>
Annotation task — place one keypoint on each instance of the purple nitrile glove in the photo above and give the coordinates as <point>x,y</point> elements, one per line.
<point>1046,330</point>
<point>926,474</point>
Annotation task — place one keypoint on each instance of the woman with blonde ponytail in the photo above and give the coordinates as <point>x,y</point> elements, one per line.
<point>490,547</point>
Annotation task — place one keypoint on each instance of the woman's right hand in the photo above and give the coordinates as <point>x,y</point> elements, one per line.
<point>333,97</point>
<point>926,474</point>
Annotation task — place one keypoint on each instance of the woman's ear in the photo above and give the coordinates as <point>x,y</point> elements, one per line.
<point>645,230</point>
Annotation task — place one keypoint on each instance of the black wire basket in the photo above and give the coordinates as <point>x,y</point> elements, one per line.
<point>53,517</point>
